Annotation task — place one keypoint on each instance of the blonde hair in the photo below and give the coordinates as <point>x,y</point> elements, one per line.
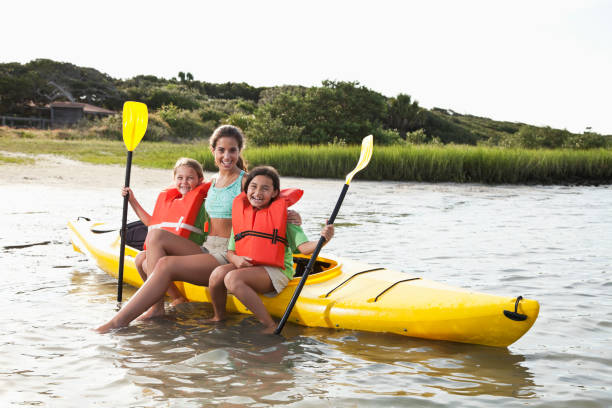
<point>194,164</point>
<point>234,132</point>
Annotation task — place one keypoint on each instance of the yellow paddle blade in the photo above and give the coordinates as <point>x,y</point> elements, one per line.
<point>135,119</point>
<point>367,145</point>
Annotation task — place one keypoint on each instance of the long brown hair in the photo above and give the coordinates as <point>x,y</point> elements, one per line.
<point>234,132</point>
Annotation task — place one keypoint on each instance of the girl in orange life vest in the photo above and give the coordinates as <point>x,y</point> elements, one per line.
<point>241,277</point>
<point>188,175</point>
<point>226,145</point>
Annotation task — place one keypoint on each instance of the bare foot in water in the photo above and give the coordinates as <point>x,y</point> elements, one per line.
<point>106,327</point>
<point>156,310</point>
<point>178,301</point>
<point>213,320</point>
<point>269,329</point>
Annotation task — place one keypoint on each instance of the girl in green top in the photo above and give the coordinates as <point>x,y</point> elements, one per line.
<point>245,280</point>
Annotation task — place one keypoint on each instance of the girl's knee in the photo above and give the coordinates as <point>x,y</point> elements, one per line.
<point>216,278</point>
<point>140,259</point>
<point>155,236</point>
<point>231,281</point>
<point>164,265</point>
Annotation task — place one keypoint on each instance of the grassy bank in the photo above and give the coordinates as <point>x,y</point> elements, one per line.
<point>444,164</point>
<point>406,163</point>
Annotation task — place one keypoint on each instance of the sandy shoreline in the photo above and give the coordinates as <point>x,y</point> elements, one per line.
<point>57,170</point>
<point>60,171</point>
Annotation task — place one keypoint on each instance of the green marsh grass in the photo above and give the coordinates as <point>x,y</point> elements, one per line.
<point>450,163</point>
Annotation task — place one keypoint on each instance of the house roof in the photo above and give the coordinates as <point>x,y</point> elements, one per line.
<point>87,108</point>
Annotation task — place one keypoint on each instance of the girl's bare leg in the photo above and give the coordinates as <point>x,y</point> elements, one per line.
<point>143,271</point>
<point>218,292</point>
<point>141,261</point>
<point>162,243</point>
<point>245,284</point>
<point>194,269</point>
<point>141,266</point>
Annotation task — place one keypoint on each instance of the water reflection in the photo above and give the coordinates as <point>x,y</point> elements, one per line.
<point>179,357</point>
<point>450,367</point>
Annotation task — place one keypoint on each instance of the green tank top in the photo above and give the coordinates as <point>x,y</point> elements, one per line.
<point>219,200</point>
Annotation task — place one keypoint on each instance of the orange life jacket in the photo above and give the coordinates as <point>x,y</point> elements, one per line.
<point>262,234</point>
<point>176,213</point>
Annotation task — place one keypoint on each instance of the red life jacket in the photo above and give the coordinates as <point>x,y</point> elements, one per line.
<point>177,213</point>
<point>262,234</point>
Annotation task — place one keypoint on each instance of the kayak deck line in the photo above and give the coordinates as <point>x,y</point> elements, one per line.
<point>381,293</point>
<point>346,294</point>
<point>358,273</point>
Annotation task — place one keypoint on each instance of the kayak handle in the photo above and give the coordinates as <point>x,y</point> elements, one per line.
<point>516,316</point>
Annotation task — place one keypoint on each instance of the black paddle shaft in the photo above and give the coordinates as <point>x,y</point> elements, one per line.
<point>311,262</point>
<point>128,168</point>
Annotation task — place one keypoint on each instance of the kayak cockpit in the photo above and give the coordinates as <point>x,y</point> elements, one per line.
<point>323,269</point>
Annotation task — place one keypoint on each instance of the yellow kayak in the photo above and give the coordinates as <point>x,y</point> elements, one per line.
<point>345,294</point>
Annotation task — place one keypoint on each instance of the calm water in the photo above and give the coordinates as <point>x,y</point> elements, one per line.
<point>547,243</point>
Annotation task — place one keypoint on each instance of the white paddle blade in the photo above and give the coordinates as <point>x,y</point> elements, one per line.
<point>367,145</point>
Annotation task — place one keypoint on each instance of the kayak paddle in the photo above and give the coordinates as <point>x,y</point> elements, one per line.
<point>135,118</point>
<point>366,154</point>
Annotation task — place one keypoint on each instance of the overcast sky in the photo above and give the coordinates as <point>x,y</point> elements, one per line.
<point>546,63</point>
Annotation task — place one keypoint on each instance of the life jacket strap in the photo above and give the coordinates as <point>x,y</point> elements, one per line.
<point>177,226</point>
<point>274,236</point>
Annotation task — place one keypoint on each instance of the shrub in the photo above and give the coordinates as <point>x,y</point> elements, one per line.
<point>110,127</point>
<point>265,130</point>
<point>387,136</point>
<point>337,109</point>
<point>531,137</point>
<point>417,137</point>
<point>241,120</point>
<point>157,129</point>
<point>246,106</point>
<point>184,124</point>
<point>210,113</point>
<point>586,140</point>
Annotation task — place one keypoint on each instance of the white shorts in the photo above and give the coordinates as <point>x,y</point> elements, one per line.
<point>217,247</point>
<point>278,278</point>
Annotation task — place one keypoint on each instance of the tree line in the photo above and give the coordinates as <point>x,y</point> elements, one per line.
<point>337,112</point>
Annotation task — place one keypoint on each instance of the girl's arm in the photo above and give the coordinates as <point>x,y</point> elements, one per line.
<point>308,247</point>
<point>238,260</point>
<point>144,216</point>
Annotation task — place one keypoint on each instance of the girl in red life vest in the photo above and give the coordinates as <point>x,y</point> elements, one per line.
<point>188,175</point>
<point>256,212</point>
<point>226,145</point>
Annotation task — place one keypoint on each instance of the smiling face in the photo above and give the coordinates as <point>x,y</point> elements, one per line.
<point>226,152</point>
<point>186,179</point>
<point>261,191</point>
